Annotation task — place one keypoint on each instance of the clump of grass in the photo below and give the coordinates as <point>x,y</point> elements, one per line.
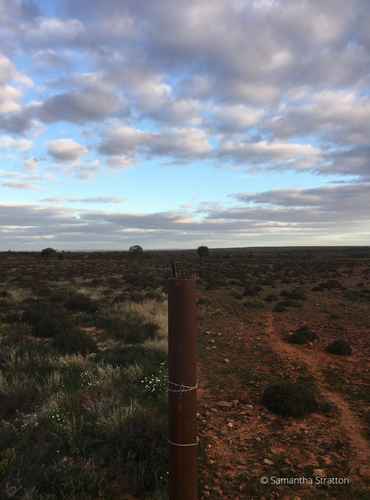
<point>143,447</point>
<point>74,341</point>
<point>327,406</point>
<point>339,347</point>
<point>17,395</point>
<point>289,399</point>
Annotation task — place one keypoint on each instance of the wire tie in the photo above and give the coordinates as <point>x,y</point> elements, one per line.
<point>183,388</point>
<point>176,444</point>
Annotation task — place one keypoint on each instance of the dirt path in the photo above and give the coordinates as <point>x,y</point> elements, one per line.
<point>349,421</point>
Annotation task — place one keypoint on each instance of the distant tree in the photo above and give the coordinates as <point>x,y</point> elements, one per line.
<point>203,252</point>
<point>46,253</point>
<point>135,251</point>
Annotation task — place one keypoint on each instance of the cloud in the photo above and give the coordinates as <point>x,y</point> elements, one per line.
<point>295,216</point>
<point>276,154</point>
<point>231,118</point>
<point>30,165</point>
<point>8,98</point>
<point>7,142</point>
<point>99,199</point>
<point>176,142</point>
<point>65,149</point>
<point>79,106</point>
<point>22,185</point>
<point>338,203</point>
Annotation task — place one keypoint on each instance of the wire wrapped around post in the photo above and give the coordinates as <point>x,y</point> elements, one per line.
<point>182,389</point>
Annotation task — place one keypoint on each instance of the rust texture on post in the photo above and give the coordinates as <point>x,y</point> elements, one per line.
<point>182,395</point>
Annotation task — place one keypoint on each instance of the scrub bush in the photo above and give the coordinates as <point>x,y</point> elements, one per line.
<point>289,399</point>
<point>74,341</point>
<point>303,335</point>
<point>339,347</point>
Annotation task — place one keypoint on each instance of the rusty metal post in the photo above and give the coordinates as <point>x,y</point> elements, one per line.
<point>182,385</point>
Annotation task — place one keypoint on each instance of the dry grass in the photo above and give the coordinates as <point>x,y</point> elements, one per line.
<point>157,345</point>
<point>19,294</point>
<point>148,311</point>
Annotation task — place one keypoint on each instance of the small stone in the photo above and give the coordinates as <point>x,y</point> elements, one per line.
<point>226,360</point>
<point>242,487</point>
<point>285,471</point>
<point>319,473</point>
<point>268,462</point>
<point>206,493</point>
<point>230,424</point>
<point>224,404</point>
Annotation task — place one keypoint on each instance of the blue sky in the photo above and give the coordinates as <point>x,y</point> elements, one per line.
<point>174,124</point>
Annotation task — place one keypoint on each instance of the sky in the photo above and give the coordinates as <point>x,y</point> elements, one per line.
<point>174,124</point>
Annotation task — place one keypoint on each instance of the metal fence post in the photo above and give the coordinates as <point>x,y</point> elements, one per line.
<point>182,385</point>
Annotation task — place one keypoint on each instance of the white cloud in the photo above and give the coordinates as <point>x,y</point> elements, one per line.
<point>174,142</point>
<point>280,155</point>
<point>30,165</point>
<point>98,199</point>
<point>65,149</point>
<point>23,144</point>
<point>22,185</point>
<point>8,98</point>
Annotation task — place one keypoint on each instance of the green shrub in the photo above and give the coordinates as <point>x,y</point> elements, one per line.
<point>303,335</point>
<point>271,298</point>
<point>327,406</point>
<point>339,347</point>
<point>334,316</point>
<point>61,297</point>
<point>19,394</point>
<point>44,476</point>
<point>236,294</point>
<point>267,281</point>
<point>250,292</point>
<point>317,289</point>
<point>203,302</point>
<point>353,295</point>
<point>295,295</point>
<point>37,311</point>
<point>74,341</point>
<point>143,448</point>
<point>51,327</point>
<point>254,304</point>
<point>5,305</point>
<point>288,399</point>
<point>279,308</point>
<point>81,302</point>
<point>292,303</point>
<point>132,331</point>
